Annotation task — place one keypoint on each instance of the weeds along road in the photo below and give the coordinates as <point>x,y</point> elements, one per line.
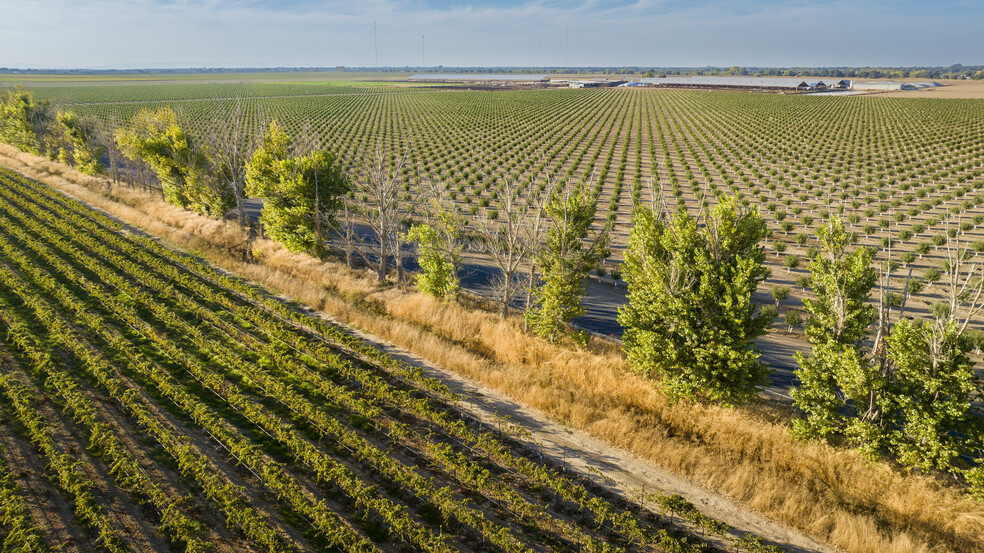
<point>602,301</point>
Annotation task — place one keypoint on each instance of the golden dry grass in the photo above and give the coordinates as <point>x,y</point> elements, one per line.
<point>747,454</point>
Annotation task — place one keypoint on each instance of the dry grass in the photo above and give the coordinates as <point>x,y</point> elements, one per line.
<point>747,454</point>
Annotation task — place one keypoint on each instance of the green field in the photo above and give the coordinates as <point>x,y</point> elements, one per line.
<point>903,172</point>
<point>174,406</point>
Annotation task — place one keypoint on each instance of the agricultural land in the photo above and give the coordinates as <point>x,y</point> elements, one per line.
<point>160,393</point>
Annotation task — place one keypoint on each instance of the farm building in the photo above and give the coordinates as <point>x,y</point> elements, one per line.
<point>881,85</point>
<point>594,83</point>
<point>777,84</point>
<point>738,83</point>
<point>477,78</point>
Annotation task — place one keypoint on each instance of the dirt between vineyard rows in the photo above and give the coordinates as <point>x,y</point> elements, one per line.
<point>613,468</point>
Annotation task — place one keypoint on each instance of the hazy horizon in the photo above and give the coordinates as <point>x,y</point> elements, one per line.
<point>164,34</point>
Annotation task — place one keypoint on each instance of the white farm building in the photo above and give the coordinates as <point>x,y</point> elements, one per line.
<point>746,83</point>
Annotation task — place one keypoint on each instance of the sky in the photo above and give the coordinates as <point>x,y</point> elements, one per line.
<point>104,34</point>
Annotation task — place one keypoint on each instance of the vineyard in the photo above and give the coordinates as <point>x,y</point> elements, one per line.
<point>152,402</point>
<point>903,173</point>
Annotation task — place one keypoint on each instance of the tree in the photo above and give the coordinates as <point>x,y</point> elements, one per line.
<point>690,320</point>
<point>930,411</point>
<point>911,393</point>
<point>377,194</point>
<point>571,251</point>
<point>534,234</point>
<point>506,239</point>
<point>840,315</point>
<point>186,176</point>
<point>230,146</point>
<point>302,193</point>
<point>81,148</point>
<point>792,319</point>
<point>25,122</point>
<point>439,244</point>
<point>779,293</point>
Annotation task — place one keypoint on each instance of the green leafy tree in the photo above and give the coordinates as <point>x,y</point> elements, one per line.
<point>690,320</point>
<point>80,148</point>
<point>779,293</point>
<point>25,122</point>
<point>187,179</point>
<point>930,407</point>
<point>911,393</point>
<point>302,193</point>
<point>439,244</point>
<point>842,281</point>
<point>439,255</point>
<point>570,252</point>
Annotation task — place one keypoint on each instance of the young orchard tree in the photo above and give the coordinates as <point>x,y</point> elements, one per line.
<point>302,193</point>
<point>570,252</point>
<point>690,321</point>
<point>187,179</point>
<point>80,147</point>
<point>439,245</point>
<point>779,293</point>
<point>842,281</point>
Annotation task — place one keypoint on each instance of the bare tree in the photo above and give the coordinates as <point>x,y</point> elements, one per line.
<point>104,136</point>
<point>347,236</point>
<point>534,231</point>
<point>507,238</point>
<point>378,193</point>
<point>230,145</point>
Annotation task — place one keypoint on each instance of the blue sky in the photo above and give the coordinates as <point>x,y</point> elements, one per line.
<point>263,33</point>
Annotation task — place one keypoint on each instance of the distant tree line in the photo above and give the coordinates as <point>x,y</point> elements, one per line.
<point>955,71</point>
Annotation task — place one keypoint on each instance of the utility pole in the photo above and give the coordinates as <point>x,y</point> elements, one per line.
<point>423,52</point>
<point>566,36</point>
<point>538,51</point>
<point>375,44</point>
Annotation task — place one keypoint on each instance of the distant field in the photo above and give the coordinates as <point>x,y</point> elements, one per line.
<point>903,171</point>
